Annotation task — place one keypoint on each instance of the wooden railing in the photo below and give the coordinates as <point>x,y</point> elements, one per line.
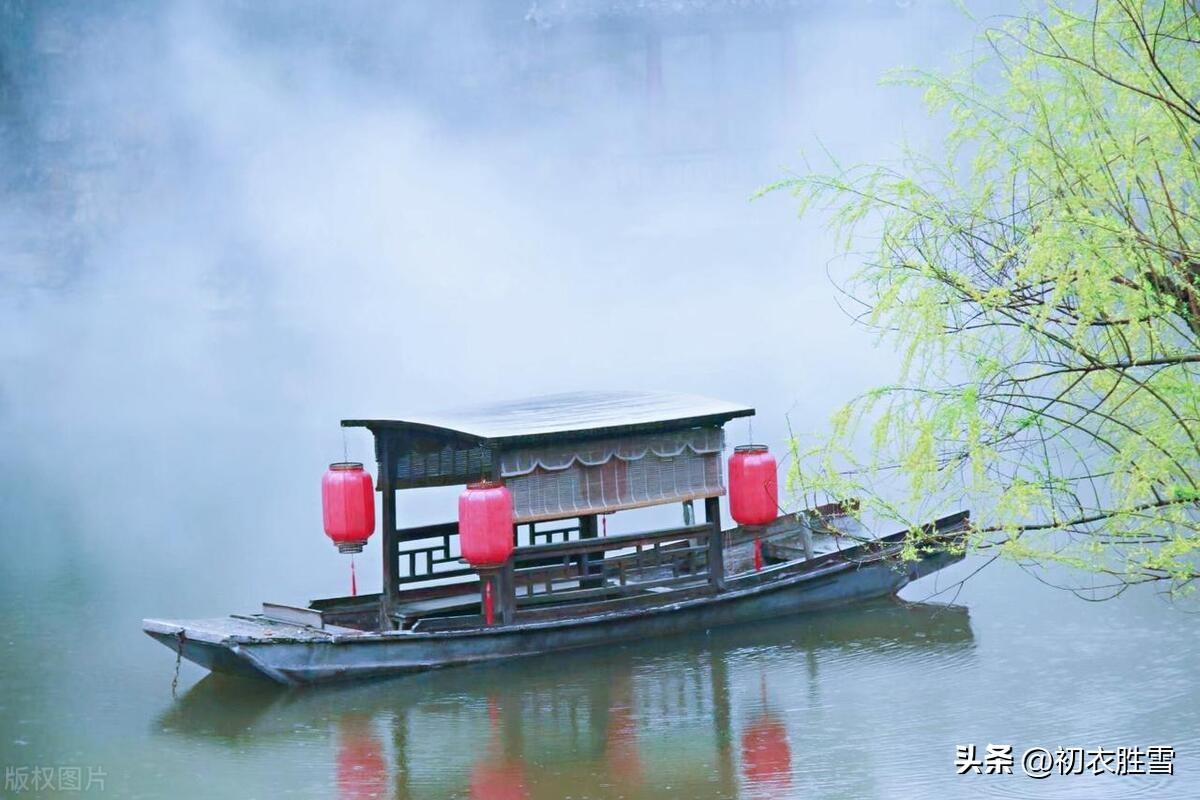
<point>641,560</point>
<point>560,570</point>
<point>560,579</point>
<point>547,535</point>
<point>431,552</point>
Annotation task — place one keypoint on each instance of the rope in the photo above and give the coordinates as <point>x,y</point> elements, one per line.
<point>178,663</point>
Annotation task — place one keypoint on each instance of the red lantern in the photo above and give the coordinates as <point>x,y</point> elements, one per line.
<point>485,524</point>
<point>348,502</point>
<point>753,490</point>
<point>753,486</point>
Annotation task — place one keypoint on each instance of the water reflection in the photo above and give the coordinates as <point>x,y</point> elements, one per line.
<point>719,715</point>
<point>361,767</point>
<point>498,774</point>
<point>766,754</point>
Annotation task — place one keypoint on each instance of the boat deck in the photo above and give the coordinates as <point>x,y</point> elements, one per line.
<point>292,645</point>
<point>783,541</point>
<point>242,628</point>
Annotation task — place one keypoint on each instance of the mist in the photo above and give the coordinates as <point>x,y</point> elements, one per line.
<point>227,226</point>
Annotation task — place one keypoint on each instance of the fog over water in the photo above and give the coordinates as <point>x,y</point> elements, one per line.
<point>226,226</point>
<point>231,225</point>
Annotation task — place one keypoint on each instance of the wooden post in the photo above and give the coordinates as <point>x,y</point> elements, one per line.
<point>806,535</point>
<point>716,547</point>
<point>391,552</point>
<point>507,606</point>
<point>390,540</point>
<point>589,529</point>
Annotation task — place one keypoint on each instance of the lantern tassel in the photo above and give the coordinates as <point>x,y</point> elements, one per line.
<point>353,579</point>
<point>489,613</point>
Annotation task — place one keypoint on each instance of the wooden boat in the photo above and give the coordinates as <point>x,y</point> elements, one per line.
<point>235,710</point>
<point>435,734</point>
<point>567,460</point>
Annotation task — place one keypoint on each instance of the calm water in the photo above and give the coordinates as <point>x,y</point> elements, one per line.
<point>867,701</point>
<point>226,225</point>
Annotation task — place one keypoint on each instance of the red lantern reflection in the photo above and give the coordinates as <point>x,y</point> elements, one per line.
<point>621,743</point>
<point>497,777</point>
<point>766,756</point>
<point>498,780</point>
<point>361,769</point>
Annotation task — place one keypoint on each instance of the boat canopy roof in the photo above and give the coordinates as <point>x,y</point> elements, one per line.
<point>568,416</point>
<point>567,454</point>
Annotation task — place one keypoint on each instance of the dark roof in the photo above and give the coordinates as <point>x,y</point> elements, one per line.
<point>560,416</point>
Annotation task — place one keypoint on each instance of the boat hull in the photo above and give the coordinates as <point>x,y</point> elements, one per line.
<point>317,658</point>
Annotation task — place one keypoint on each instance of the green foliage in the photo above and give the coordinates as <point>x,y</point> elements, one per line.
<point>1041,282</point>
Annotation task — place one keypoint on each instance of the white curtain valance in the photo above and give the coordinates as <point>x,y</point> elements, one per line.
<point>553,458</point>
<point>611,475</point>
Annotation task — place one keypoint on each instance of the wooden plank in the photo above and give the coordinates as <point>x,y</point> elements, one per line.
<point>355,603</point>
<point>673,554</point>
<point>407,613</point>
<point>527,577</point>
<point>436,575</point>
<point>441,624</point>
<point>434,531</point>
<point>609,542</point>
<point>293,615</point>
<point>626,603</point>
<point>573,610</point>
<point>568,598</point>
